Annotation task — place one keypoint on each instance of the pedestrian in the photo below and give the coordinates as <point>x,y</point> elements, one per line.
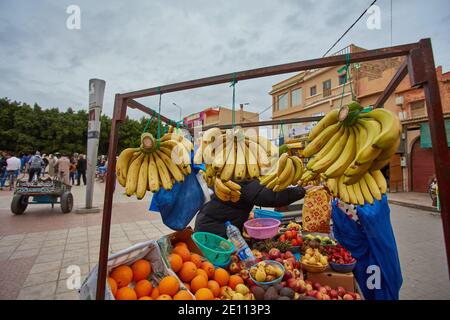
<point>35,164</point>
<point>3,164</point>
<point>45,163</point>
<point>81,169</point>
<point>12,168</point>
<point>73,170</point>
<point>64,168</point>
<point>51,165</point>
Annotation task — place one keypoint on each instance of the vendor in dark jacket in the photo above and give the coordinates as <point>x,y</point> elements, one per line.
<point>215,213</point>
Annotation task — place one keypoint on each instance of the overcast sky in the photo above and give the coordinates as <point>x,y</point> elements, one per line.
<point>139,44</point>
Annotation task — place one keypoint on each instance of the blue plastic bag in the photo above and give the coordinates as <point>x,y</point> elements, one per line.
<point>179,205</point>
<point>371,242</point>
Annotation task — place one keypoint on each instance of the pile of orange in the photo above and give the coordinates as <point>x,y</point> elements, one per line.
<point>199,275</point>
<point>131,283</point>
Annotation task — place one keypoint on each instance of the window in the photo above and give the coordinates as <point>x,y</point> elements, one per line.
<point>296,97</point>
<point>313,91</point>
<point>327,88</point>
<point>418,109</point>
<point>342,78</point>
<point>282,101</point>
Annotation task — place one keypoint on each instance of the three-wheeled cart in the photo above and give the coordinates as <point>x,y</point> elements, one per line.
<point>42,191</point>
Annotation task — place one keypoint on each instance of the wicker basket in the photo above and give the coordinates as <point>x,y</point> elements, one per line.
<point>313,268</point>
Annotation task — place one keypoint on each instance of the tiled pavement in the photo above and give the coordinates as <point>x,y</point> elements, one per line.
<point>36,248</point>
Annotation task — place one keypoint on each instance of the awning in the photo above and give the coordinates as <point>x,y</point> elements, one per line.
<point>425,137</point>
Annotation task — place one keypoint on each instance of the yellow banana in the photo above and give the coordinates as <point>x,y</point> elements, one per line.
<point>211,134</point>
<point>386,154</point>
<point>283,184</point>
<point>163,172</point>
<point>328,159</point>
<point>267,145</point>
<point>220,157</point>
<point>266,179</point>
<point>133,175</point>
<point>232,185</point>
<point>390,127</point>
<point>198,156</point>
<point>372,185</point>
<point>252,163</point>
<point>288,168</point>
<point>355,173</point>
<point>228,168</point>
<point>235,198</point>
<point>122,164</point>
<point>326,149</point>
<point>365,191</point>
<point>142,179</point>
<point>379,164</point>
<point>358,193</point>
<point>298,168</point>
<point>368,152</point>
<point>348,154</point>
<point>329,119</point>
<point>218,185</point>
<point>222,196</point>
<point>153,176</point>
<point>240,169</point>
<point>173,168</point>
<point>272,183</point>
<point>342,190</point>
<point>282,163</point>
<point>380,180</point>
<point>260,154</point>
<point>315,145</point>
<point>332,186</point>
<point>352,195</point>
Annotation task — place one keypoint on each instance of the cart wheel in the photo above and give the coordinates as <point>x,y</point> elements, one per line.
<point>19,204</point>
<point>66,202</point>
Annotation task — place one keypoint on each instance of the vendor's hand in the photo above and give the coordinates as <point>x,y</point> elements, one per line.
<point>307,187</point>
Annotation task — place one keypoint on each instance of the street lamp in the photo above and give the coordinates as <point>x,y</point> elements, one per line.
<point>178,108</point>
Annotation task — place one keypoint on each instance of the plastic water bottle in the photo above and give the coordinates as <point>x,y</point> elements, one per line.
<point>243,251</point>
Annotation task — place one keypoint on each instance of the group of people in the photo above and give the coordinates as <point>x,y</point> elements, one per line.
<point>67,168</point>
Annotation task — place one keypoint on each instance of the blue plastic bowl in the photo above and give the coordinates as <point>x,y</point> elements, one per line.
<point>261,213</point>
<point>343,268</point>
<point>268,283</point>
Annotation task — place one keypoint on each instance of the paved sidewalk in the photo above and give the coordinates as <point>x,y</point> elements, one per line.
<point>416,200</point>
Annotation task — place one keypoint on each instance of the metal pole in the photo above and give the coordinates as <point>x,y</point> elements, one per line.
<point>178,108</point>
<point>96,94</point>
<point>441,154</point>
<point>120,108</point>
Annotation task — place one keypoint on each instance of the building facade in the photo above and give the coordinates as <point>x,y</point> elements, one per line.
<point>220,116</point>
<point>316,92</point>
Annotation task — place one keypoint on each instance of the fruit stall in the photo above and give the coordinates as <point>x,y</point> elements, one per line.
<point>288,260</point>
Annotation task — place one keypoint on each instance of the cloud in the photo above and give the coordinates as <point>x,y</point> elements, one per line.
<point>140,44</point>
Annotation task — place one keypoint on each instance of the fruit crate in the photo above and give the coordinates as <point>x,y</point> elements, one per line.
<point>148,250</point>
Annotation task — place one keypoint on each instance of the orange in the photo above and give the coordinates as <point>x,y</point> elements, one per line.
<point>143,288</point>
<point>209,268</point>
<point>187,285</point>
<point>182,295</point>
<point>183,244</point>
<point>234,281</point>
<point>221,276</point>
<point>123,275</point>
<point>222,290</point>
<point>188,271</point>
<point>197,259</point>
<point>155,293</point>
<point>164,297</point>
<point>214,287</point>
<point>141,269</point>
<point>201,272</point>
<point>204,294</point>
<point>176,262</point>
<point>168,285</point>
<point>113,285</point>
<point>145,298</point>
<point>183,252</point>
<point>199,282</point>
<point>126,293</point>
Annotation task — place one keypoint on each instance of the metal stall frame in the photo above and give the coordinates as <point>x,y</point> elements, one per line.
<point>419,65</point>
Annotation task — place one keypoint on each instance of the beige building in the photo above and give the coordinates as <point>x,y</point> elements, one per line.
<point>220,116</point>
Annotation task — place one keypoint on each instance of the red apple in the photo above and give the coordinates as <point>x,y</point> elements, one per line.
<point>308,287</point>
<point>242,265</point>
<point>357,296</point>
<point>279,260</point>
<point>322,290</point>
<point>234,258</point>
<point>326,297</point>
<point>245,274</point>
<point>340,291</point>
<point>292,283</point>
<point>328,288</point>
<point>288,265</point>
<point>311,293</point>
<point>250,282</point>
<point>283,283</point>
<point>347,297</point>
<point>319,296</point>
<point>297,273</point>
<point>234,268</point>
<point>316,286</point>
<point>333,294</point>
<point>308,282</point>
<point>289,254</point>
<point>274,253</point>
<point>288,275</point>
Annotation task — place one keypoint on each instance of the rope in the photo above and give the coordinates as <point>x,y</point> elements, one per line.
<point>347,72</point>
<point>148,123</point>
<point>233,116</point>
<point>158,134</point>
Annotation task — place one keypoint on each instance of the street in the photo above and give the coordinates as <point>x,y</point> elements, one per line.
<point>37,247</point>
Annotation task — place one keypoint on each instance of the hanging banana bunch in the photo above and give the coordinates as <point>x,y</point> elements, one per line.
<point>348,148</point>
<point>233,155</point>
<point>288,172</point>
<point>148,168</point>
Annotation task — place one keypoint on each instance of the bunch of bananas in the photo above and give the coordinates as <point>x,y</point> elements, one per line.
<point>148,167</point>
<point>233,155</point>
<point>288,171</point>
<point>349,147</point>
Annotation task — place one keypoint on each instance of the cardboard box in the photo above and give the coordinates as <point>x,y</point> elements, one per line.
<point>334,279</point>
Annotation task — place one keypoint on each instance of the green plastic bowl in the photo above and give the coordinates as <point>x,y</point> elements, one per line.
<point>214,248</point>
